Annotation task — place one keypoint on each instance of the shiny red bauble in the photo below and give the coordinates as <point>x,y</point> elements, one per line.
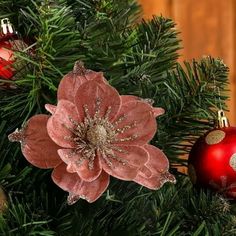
<point>6,60</point>
<point>9,65</point>
<point>212,161</point>
<point>10,43</point>
<point>7,38</point>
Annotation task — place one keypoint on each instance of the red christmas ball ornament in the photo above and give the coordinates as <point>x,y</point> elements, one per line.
<point>212,160</point>
<point>9,44</point>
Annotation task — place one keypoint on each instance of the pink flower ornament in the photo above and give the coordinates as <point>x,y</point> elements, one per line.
<point>93,133</point>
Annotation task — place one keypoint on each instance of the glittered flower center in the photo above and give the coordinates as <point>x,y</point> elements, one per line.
<point>97,135</point>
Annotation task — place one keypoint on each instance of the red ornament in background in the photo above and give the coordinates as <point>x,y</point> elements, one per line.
<point>6,54</point>
<point>9,43</point>
<point>212,160</point>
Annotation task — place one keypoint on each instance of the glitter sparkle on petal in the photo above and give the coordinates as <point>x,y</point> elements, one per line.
<point>72,198</point>
<point>96,134</point>
<point>17,136</point>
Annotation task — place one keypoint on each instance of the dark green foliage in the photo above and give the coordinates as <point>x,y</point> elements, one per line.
<point>136,58</point>
<point>191,99</point>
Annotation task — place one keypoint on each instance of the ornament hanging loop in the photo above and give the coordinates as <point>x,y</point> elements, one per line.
<point>222,119</point>
<point>6,26</point>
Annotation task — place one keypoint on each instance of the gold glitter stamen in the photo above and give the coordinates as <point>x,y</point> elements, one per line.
<point>108,112</point>
<point>86,111</point>
<point>97,108</point>
<point>131,138</point>
<point>108,162</point>
<point>119,149</point>
<point>119,120</point>
<point>109,153</point>
<point>126,127</point>
<point>96,134</point>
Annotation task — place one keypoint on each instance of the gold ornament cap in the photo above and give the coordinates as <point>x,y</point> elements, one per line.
<point>222,120</point>
<point>7,27</point>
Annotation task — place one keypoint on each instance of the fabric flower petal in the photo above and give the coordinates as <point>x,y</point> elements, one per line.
<point>120,171</point>
<point>65,180</point>
<point>73,80</point>
<point>157,161</point>
<point>50,108</point>
<point>123,162</point>
<point>157,111</point>
<point>72,183</point>
<point>129,98</point>
<point>155,182</point>
<point>97,96</point>
<point>135,123</point>
<point>83,170</point>
<point>151,183</point>
<point>91,191</point>
<point>62,123</point>
<point>145,172</point>
<point>131,155</point>
<point>36,145</point>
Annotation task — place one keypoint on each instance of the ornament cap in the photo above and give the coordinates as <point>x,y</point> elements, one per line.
<point>7,27</point>
<point>222,119</point>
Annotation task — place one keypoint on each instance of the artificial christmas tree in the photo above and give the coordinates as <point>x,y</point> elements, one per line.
<point>138,58</point>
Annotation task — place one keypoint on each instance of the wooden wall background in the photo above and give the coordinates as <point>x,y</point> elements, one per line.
<point>208,27</point>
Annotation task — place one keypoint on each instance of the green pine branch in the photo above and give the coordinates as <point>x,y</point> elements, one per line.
<point>190,95</point>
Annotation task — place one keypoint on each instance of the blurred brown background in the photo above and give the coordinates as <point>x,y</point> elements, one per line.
<point>208,27</point>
